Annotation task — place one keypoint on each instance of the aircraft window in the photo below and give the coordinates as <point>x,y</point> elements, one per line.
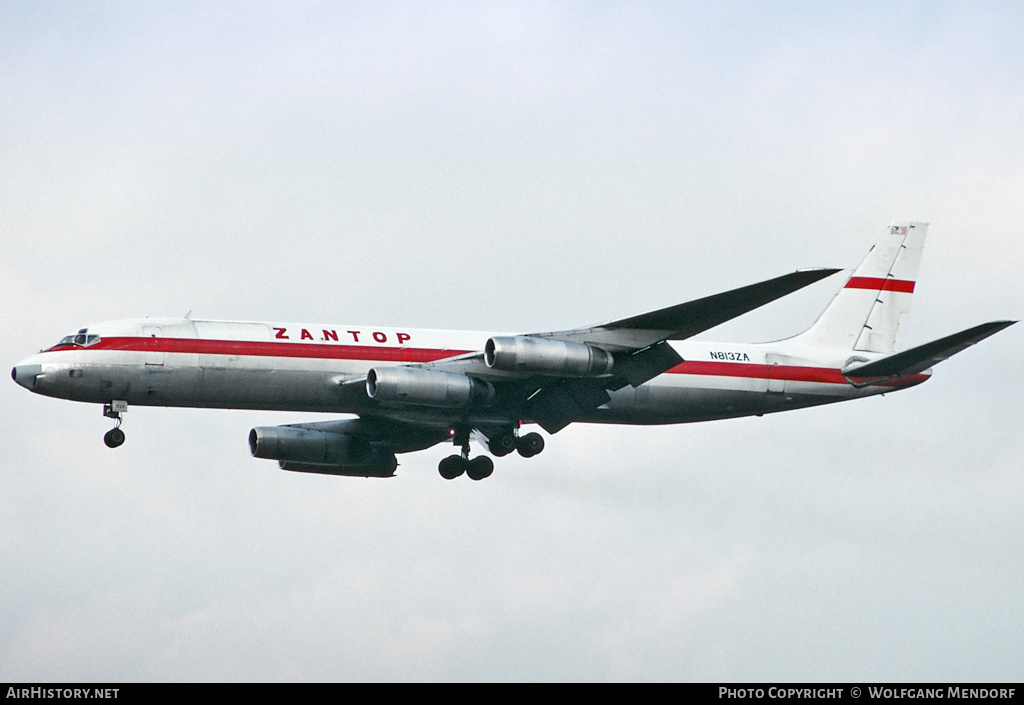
<point>81,338</point>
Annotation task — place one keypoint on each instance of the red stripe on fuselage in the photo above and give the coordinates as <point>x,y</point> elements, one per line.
<point>256,348</point>
<point>881,284</point>
<point>788,373</point>
<point>794,373</point>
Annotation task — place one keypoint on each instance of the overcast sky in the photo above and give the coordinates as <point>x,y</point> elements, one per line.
<point>512,166</point>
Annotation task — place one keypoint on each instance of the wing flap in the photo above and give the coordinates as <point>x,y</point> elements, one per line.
<point>555,407</point>
<point>646,364</point>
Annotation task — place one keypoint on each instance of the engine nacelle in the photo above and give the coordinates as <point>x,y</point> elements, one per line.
<point>545,356</point>
<point>292,444</point>
<point>377,464</point>
<point>414,385</point>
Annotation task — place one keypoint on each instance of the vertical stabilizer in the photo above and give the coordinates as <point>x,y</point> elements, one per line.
<point>870,312</point>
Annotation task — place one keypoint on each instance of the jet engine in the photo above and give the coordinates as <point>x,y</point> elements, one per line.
<point>309,450</point>
<point>377,464</point>
<point>415,385</point>
<point>546,356</point>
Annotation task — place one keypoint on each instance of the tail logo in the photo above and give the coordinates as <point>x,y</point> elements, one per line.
<point>898,230</point>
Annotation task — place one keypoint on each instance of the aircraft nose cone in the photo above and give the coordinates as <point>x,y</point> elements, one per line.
<point>25,375</point>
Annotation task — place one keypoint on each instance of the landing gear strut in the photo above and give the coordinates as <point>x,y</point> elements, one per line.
<point>116,410</point>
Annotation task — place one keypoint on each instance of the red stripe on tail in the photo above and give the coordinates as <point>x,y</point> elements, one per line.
<point>880,284</point>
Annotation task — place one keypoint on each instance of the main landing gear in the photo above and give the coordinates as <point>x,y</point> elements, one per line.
<point>499,445</point>
<point>476,469</point>
<point>116,409</point>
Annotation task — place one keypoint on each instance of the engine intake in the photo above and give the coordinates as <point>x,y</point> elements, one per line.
<point>545,356</point>
<point>414,385</point>
<point>292,444</point>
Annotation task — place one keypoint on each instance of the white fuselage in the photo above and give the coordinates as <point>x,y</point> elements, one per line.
<point>321,368</point>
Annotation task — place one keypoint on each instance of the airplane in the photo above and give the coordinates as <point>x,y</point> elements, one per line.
<point>411,389</point>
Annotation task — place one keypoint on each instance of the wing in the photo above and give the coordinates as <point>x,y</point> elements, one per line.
<point>688,319</point>
<point>645,333</point>
<point>555,377</point>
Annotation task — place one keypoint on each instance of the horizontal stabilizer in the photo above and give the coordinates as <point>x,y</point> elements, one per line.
<point>924,356</point>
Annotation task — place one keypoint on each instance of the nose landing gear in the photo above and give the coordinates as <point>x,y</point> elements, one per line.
<point>116,410</point>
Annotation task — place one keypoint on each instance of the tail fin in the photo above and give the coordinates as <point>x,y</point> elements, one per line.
<point>870,312</point>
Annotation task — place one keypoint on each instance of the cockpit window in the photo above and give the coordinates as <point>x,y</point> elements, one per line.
<point>82,338</point>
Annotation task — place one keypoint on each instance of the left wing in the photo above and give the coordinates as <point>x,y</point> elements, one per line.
<point>637,342</point>
<point>688,319</point>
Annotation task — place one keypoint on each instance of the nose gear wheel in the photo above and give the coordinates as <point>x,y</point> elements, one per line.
<point>116,410</point>
<point>113,438</point>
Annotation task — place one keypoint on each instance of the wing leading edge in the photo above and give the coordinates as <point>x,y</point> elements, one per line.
<point>688,319</point>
